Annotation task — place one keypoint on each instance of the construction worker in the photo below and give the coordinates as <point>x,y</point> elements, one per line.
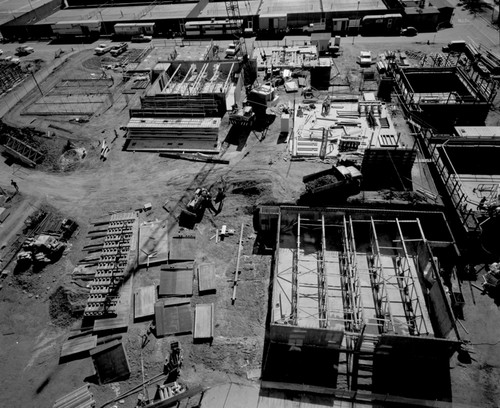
<point>481,205</point>
<point>14,184</point>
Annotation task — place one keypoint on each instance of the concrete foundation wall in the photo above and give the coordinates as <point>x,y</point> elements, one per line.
<point>171,144</point>
<point>299,336</point>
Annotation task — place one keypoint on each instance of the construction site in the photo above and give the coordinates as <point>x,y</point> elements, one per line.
<point>287,226</point>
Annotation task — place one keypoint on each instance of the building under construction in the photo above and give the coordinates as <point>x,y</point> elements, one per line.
<point>443,97</point>
<point>359,300</point>
<point>182,109</point>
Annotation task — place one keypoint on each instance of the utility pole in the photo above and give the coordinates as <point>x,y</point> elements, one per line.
<point>36,82</point>
<point>357,20</point>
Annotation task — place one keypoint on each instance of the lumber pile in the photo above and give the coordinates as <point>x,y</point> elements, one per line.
<point>112,265</point>
<point>80,398</point>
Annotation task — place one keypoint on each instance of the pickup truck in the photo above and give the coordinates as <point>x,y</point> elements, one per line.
<point>141,38</point>
<point>314,27</point>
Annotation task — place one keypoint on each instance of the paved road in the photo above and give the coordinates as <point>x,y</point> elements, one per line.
<point>475,29</point>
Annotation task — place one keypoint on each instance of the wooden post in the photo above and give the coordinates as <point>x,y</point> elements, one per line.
<point>235,283</point>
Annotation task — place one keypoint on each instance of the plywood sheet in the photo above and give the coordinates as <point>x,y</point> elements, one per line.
<point>204,321</point>
<point>172,319</point>
<point>144,302</point>
<point>153,242</point>
<point>176,282</point>
<point>110,362</point>
<point>182,248</point>
<point>78,345</point>
<point>206,277</point>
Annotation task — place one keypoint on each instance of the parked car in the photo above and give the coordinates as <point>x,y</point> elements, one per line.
<point>24,50</point>
<point>409,32</point>
<point>103,49</point>
<point>365,58</point>
<point>141,38</point>
<point>1,52</point>
<point>233,49</point>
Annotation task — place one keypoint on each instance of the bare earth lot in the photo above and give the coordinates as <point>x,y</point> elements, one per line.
<point>259,172</point>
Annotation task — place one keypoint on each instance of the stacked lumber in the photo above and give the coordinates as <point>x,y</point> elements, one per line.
<point>112,265</point>
<point>80,398</point>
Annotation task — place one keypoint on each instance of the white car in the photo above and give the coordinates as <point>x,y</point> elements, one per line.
<point>233,49</point>
<point>365,58</point>
<point>1,52</point>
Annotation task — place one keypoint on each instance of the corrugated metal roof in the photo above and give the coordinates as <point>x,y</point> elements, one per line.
<point>352,5</point>
<point>478,131</point>
<point>218,9</point>
<point>280,8</point>
<point>126,13</point>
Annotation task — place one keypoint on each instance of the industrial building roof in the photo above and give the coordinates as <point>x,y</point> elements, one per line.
<point>352,5</point>
<point>218,10</point>
<point>11,9</point>
<point>280,8</point>
<point>123,14</point>
<point>478,131</point>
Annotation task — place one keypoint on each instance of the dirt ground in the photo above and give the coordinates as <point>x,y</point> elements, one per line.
<point>260,171</point>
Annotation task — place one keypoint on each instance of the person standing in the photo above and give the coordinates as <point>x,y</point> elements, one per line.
<point>14,184</point>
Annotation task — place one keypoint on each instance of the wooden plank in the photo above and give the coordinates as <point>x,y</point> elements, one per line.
<point>182,248</point>
<point>78,345</point>
<point>175,301</point>
<point>117,323</point>
<point>172,319</point>
<point>206,277</point>
<point>176,283</point>
<point>110,362</point>
<point>204,321</point>
<point>144,302</point>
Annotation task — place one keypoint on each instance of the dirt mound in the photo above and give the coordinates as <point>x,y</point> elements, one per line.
<point>66,305</point>
<point>71,158</point>
<point>93,63</point>
<point>262,187</point>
